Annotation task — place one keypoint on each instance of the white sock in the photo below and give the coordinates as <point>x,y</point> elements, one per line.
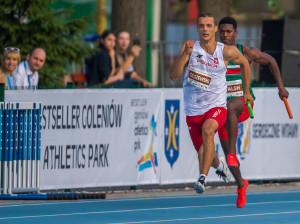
<point>202,175</point>
<point>221,166</point>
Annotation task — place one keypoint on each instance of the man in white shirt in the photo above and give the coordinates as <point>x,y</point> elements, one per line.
<point>26,74</point>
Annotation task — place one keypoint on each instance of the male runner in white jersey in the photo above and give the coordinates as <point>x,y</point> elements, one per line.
<point>236,109</point>
<point>205,92</point>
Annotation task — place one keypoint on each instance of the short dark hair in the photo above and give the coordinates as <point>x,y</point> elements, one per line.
<point>207,14</point>
<point>228,20</point>
<point>33,49</point>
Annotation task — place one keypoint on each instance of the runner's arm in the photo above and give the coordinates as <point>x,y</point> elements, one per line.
<point>254,54</point>
<point>181,61</point>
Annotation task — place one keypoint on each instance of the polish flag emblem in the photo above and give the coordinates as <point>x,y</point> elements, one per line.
<point>216,61</point>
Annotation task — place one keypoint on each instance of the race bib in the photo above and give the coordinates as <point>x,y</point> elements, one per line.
<point>234,88</point>
<point>199,78</point>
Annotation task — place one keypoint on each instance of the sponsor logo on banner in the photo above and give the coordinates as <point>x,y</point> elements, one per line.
<point>172,131</point>
<point>149,159</point>
<point>275,130</point>
<point>73,156</point>
<point>243,138</point>
<point>82,116</point>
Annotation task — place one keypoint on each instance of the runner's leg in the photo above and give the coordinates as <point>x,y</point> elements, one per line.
<point>234,170</point>
<point>209,129</point>
<point>235,108</point>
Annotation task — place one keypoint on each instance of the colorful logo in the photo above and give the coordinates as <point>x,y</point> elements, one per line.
<point>242,143</point>
<point>172,130</point>
<point>150,158</point>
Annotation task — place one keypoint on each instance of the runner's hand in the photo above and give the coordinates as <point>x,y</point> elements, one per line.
<point>189,44</point>
<point>248,97</point>
<point>283,93</point>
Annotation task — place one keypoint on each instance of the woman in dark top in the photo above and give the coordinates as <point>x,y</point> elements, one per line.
<point>102,65</point>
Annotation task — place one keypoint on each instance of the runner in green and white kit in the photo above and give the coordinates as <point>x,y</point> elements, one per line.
<point>234,79</point>
<point>236,109</point>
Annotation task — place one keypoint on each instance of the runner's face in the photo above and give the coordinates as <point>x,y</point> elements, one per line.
<point>227,34</point>
<point>206,28</point>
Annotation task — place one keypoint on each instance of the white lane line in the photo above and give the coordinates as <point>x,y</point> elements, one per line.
<point>117,200</point>
<point>215,217</point>
<point>140,210</point>
<point>145,198</point>
<point>116,211</point>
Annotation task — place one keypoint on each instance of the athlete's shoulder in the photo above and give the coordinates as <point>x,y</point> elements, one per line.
<point>229,48</point>
<point>251,53</point>
<point>230,52</point>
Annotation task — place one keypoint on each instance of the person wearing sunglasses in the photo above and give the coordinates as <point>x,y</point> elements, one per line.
<point>26,74</point>
<point>10,59</point>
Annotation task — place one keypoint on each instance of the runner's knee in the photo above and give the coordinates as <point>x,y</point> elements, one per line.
<point>235,106</point>
<point>208,131</point>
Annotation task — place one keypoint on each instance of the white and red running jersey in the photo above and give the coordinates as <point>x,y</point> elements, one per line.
<point>204,85</point>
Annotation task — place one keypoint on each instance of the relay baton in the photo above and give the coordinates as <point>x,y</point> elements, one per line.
<point>250,109</point>
<point>287,107</point>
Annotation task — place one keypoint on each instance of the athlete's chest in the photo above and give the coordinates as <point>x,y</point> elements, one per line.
<point>201,59</point>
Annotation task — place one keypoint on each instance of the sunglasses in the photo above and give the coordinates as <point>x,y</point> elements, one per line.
<point>11,49</point>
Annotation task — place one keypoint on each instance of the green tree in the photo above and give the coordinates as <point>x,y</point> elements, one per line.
<point>31,23</point>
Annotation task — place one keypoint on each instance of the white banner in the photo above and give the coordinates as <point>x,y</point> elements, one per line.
<point>274,138</point>
<point>117,137</point>
<point>97,137</point>
<point>267,145</point>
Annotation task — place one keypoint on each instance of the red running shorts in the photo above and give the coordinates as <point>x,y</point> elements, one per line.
<point>195,124</point>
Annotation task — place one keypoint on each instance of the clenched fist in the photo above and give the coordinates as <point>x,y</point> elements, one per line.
<point>189,44</point>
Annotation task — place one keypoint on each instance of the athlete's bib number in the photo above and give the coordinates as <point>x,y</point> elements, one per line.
<point>234,88</point>
<point>199,78</point>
